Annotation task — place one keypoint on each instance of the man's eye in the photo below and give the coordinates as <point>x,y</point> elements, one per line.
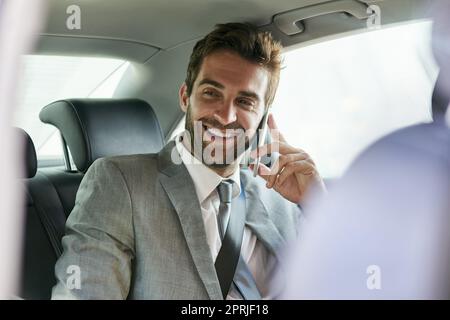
<point>210,93</point>
<point>245,103</point>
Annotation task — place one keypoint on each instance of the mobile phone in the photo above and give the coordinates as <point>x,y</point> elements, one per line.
<point>261,140</point>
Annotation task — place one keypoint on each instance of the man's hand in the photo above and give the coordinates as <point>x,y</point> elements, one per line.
<point>293,174</point>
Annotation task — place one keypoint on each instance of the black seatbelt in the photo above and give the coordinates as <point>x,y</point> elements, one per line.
<point>230,266</point>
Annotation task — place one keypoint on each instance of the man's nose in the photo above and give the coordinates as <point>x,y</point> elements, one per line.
<point>226,114</point>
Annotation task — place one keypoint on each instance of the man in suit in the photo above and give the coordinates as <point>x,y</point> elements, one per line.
<point>152,226</point>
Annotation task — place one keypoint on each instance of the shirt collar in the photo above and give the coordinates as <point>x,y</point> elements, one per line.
<point>205,180</point>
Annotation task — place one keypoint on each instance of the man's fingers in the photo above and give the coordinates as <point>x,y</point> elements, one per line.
<point>292,164</point>
<point>303,167</point>
<point>281,162</point>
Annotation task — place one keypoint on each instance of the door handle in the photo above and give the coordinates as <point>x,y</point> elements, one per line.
<point>288,22</point>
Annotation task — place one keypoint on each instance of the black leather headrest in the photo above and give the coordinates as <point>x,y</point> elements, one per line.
<point>29,154</point>
<point>96,128</point>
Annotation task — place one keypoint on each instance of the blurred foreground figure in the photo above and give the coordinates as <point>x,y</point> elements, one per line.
<point>20,23</point>
<point>383,232</point>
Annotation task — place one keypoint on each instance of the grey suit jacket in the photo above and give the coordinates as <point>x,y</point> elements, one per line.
<point>136,231</point>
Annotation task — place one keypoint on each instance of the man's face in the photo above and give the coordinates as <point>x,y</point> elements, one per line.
<point>227,101</point>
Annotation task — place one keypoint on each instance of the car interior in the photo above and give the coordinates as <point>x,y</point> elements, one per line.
<point>153,40</point>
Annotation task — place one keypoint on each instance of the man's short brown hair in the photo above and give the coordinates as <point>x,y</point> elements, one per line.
<point>247,41</point>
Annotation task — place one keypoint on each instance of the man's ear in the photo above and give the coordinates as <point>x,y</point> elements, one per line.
<point>183,97</point>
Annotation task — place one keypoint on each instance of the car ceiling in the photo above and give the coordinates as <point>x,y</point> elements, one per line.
<point>163,23</point>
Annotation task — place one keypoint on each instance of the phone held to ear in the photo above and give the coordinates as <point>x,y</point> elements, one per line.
<point>261,140</point>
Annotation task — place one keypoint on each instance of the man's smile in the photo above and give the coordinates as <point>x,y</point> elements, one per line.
<point>220,135</point>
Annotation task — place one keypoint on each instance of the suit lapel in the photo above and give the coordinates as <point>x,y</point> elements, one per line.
<point>180,189</point>
<point>258,219</point>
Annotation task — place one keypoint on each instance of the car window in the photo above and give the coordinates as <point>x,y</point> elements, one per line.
<point>49,78</point>
<point>337,97</point>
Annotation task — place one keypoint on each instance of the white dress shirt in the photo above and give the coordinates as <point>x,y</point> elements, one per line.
<point>259,260</point>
